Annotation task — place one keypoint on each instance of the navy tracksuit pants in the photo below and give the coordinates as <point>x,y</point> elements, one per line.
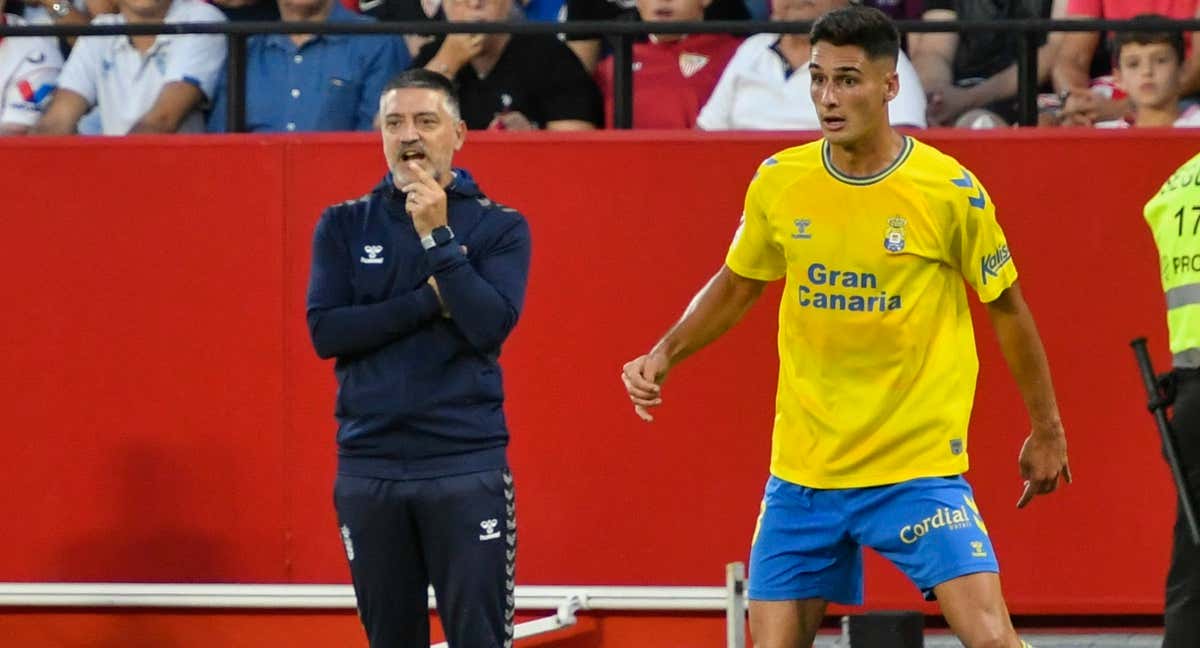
<point>457,533</point>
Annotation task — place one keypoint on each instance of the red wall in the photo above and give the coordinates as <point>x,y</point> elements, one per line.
<point>167,420</point>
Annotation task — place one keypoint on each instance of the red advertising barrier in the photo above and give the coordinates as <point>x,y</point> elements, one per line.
<point>167,419</point>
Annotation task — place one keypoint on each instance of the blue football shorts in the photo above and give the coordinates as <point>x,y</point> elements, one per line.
<point>808,541</point>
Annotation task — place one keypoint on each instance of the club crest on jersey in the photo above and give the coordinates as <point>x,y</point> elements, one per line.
<point>893,240</point>
<point>690,63</point>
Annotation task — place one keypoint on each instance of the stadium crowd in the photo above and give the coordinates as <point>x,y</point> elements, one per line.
<point>303,82</point>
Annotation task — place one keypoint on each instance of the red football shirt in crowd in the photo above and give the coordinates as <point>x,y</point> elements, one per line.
<point>671,80</point>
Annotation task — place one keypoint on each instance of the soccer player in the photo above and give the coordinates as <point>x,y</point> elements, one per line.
<point>874,232</point>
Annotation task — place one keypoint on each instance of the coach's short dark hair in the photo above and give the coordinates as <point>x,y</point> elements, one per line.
<point>865,27</point>
<point>428,80</point>
<point>1142,31</point>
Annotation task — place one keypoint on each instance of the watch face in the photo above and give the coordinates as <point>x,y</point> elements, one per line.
<point>442,234</point>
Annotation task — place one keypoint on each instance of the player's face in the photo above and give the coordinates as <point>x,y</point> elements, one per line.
<point>417,127</point>
<point>851,91</point>
<point>1149,74</point>
<point>671,10</point>
<point>477,10</point>
<point>803,9</point>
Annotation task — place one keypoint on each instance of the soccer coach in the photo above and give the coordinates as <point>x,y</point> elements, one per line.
<point>413,289</point>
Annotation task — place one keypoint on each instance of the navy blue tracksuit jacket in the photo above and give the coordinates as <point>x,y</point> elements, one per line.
<point>419,395</point>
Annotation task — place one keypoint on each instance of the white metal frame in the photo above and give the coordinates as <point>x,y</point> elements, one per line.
<point>563,617</point>
<point>564,600</point>
<point>178,595</point>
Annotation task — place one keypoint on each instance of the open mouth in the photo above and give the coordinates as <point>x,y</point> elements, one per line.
<point>833,123</point>
<point>409,156</point>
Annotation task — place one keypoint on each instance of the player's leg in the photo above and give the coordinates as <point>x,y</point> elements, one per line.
<point>974,608</point>
<point>1183,579</point>
<point>801,557</point>
<point>469,532</point>
<point>785,624</point>
<point>932,530</point>
<point>386,562</point>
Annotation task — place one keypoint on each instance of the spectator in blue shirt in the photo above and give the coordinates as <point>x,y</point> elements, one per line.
<point>308,82</point>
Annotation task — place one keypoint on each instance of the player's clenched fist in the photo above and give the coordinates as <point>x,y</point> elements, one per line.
<point>642,377</point>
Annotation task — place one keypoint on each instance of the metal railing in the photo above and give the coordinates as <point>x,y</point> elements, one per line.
<point>620,35</point>
<point>312,596</point>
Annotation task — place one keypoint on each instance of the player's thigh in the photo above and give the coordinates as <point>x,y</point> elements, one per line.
<point>785,624</point>
<point>973,606</point>
<point>930,528</point>
<point>801,547</point>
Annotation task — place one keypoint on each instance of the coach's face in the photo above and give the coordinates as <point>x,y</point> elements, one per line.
<point>418,126</point>
<point>851,91</point>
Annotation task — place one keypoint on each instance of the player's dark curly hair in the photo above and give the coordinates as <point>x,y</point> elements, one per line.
<point>428,80</point>
<point>865,27</point>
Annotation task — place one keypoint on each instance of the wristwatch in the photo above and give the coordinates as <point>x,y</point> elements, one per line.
<point>59,8</point>
<point>438,237</point>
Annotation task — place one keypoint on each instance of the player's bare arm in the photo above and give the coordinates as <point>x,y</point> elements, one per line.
<point>1043,457</point>
<point>713,311</point>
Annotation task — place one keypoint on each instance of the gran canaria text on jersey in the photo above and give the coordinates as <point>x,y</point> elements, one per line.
<point>819,276</point>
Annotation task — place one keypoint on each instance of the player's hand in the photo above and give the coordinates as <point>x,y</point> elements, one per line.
<point>424,200</point>
<point>1043,461</point>
<point>643,377</point>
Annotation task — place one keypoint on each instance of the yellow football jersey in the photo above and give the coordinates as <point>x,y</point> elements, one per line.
<point>877,353</point>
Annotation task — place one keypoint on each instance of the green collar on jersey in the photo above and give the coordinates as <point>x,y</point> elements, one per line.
<point>905,149</point>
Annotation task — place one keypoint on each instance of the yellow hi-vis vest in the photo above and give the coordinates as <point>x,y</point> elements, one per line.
<point>1174,218</point>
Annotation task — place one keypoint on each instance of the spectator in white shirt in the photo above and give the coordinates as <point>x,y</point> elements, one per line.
<point>766,84</point>
<point>142,84</point>
<point>29,67</point>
